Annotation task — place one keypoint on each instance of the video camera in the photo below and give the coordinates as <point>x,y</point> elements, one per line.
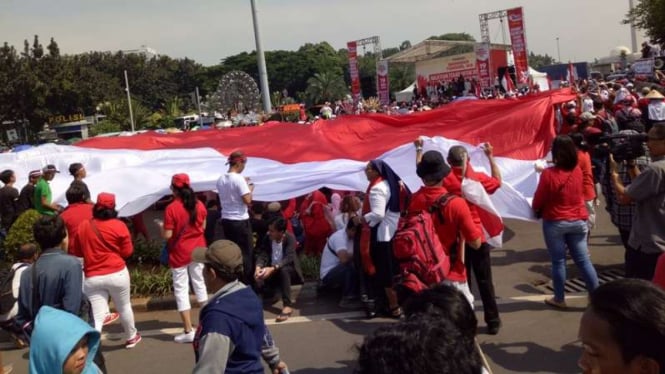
<point>624,146</point>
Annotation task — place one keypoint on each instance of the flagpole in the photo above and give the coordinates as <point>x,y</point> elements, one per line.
<point>263,73</point>
<point>129,101</point>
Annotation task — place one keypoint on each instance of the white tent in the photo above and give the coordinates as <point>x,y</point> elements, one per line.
<point>406,94</point>
<point>539,78</point>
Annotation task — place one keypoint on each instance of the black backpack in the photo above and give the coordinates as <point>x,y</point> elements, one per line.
<point>7,299</point>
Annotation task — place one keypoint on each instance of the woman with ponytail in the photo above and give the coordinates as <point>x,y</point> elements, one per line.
<point>183,228</point>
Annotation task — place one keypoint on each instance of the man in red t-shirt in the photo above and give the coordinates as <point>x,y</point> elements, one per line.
<point>477,262</point>
<point>457,219</point>
<point>659,275</point>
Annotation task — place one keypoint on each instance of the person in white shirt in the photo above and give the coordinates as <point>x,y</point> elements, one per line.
<point>381,210</point>
<point>349,208</point>
<point>235,196</point>
<point>26,256</point>
<point>337,268</point>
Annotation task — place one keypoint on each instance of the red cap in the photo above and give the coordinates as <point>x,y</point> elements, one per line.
<point>106,200</point>
<point>592,131</point>
<point>180,180</point>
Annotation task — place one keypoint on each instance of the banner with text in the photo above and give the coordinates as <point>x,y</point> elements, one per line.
<point>353,70</point>
<point>382,84</point>
<point>643,66</point>
<point>518,41</point>
<point>483,65</point>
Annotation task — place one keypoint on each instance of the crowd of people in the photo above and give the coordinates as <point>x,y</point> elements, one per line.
<point>232,251</point>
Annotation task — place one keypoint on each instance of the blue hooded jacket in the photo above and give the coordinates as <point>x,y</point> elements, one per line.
<point>55,335</point>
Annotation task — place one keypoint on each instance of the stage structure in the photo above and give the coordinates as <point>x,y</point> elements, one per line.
<point>515,17</point>
<point>382,84</point>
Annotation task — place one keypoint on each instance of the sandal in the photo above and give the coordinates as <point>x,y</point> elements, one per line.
<point>556,304</point>
<point>283,316</point>
<point>395,313</point>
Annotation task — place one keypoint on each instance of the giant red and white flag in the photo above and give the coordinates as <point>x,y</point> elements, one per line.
<point>288,160</point>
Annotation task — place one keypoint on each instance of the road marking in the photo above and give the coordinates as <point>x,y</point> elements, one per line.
<point>355,316</point>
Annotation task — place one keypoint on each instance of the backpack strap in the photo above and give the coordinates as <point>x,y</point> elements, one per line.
<point>440,203</point>
<point>99,235</point>
<point>331,250</point>
<point>34,307</point>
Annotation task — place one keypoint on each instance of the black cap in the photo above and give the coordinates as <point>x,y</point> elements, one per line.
<point>50,168</point>
<point>432,167</point>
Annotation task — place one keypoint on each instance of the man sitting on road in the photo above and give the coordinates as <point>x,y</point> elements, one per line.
<point>337,268</point>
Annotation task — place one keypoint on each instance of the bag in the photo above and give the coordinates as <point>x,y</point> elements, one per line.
<point>423,262</point>
<point>7,299</point>
<point>164,254</point>
<point>609,125</point>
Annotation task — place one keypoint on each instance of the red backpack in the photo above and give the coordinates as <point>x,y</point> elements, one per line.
<point>423,262</point>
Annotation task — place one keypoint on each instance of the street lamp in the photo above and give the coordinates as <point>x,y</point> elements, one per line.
<point>263,73</point>
<point>558,50</point>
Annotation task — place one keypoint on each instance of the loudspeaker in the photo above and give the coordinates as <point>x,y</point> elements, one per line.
<point>659,63</point>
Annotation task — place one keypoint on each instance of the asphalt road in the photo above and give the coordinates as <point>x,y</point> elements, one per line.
<point>321,338</point>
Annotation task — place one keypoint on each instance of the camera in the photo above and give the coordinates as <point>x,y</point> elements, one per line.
<point>624,146</point>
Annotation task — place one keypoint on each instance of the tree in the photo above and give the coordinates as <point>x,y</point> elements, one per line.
<point>325,86</point>
<point>649,15</point>
<point>454,36</point>
<point>538,61</point>
<point>405,45</point>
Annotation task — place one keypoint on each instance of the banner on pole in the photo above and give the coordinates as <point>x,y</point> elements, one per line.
<point>353,70</point>
<point>518,42</point>
<point>483,65</point>
<point>382,83</point>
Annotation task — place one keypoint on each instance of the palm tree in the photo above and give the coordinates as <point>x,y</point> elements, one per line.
<point>325,86</point>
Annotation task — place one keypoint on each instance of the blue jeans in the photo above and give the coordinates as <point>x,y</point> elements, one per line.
<point>572,234</point>
<point>342,276</point>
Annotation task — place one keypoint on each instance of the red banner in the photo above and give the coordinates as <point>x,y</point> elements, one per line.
<point>483,65</point>
<point>518,41</point>
<point>353,70</point>
<point>382,84</point>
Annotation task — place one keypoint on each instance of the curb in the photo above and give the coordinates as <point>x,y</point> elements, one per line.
<point>157,303</point>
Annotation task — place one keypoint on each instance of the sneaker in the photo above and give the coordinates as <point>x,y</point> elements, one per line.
<point>493,327</point>
<point>110,318</point>
<point>131,343</point>
<point>186,337</point>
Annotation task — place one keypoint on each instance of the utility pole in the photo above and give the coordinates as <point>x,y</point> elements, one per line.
<point>633,31</point>
<point>558,50</point>
<point>198,104</point>
<point>263,73</point>
<point>129,101</point>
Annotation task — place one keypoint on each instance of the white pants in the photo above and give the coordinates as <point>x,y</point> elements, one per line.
<point>181,278</point>
<point>99,288</point>
<point>464,288</point>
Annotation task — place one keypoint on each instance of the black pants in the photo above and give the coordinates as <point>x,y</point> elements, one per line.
<point>479,264</point>
<point>240,232</point>
<point>638,264</point>
<point>280,281</point>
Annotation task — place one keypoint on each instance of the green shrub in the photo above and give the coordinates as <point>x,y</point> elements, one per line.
<point>146,252</point>
<point>310,267</point>
<point>20,233</point>
<point>155,281</point>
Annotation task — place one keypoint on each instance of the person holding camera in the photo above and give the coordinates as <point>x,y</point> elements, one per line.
<point>647,190</point>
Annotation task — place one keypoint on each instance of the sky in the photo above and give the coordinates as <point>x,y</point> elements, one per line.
<point>210,30</point>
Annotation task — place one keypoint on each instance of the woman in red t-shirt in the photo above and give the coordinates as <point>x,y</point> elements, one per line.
<point>559,199</point>
<point>183,228</point>
<point>105,243</point>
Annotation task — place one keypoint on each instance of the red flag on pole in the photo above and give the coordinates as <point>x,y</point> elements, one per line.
<point>509,85</point>
<point>571,73</point>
